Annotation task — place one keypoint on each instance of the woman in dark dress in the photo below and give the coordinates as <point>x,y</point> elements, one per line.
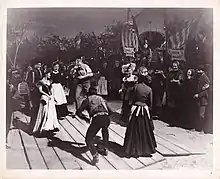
<point>139,136</point>
<point>174,96</point>
<point>58,91</point>
<point>190,104</point>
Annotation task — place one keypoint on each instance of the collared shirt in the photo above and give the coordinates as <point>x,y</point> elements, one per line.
<point>95,105</point>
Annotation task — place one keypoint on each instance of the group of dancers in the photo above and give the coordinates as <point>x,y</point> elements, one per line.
<point>49,105</point>
<point>142,95</point>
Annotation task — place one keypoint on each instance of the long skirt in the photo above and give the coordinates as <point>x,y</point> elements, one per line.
<point>102,86</point>
<point>59,94</point>
<point>139,136</point>
<point>46,117</point>
<point>60,99</point>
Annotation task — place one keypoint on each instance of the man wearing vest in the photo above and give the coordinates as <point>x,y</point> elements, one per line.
<point>99,112</point>
<point>84,74</point>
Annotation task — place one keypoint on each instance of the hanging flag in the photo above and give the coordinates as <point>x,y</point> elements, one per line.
<point>173,46</point>
<point>129,39</point>
<point>178,42</point>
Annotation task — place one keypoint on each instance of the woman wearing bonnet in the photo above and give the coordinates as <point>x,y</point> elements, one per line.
<point>139,137</point>
<point>126,91</point>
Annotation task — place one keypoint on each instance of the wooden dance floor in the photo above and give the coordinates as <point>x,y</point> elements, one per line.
<point>67,149</point>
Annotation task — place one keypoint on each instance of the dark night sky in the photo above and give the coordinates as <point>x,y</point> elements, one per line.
<point>69,21</point>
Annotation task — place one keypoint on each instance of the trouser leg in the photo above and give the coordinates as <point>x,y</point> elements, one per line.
<point>90,134</point>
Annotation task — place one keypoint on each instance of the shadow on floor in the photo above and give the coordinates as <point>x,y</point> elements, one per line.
<point>70,148</point>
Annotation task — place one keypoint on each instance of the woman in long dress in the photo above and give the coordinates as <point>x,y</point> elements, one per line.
<point>128,83</point>
<point>58,91</point>
<point>139,136</point>
<point>103,80</point>
<point>47,117</point>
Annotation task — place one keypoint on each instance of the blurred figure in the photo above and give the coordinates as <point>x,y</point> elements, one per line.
<point>10,91</point>
<point>202,97</point>
<point>190,109</point>
<point>116,78</point>
<point>175,79</point>
<point>158,87</point>
<point>103,81</point>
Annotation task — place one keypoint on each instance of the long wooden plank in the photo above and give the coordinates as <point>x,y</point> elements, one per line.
<point>115,160</point>
<point>82,158</point>
<point>33,153</point>
<point>175,141</point>
<point>160,147</point>
<point>69,150</point>
<point>113,137</point>
<point>176,150</point>
<point>145,160</point>
<point>132,162</point>
<point>103,162</point>
<point>15,156</point>
<point>66,159</point>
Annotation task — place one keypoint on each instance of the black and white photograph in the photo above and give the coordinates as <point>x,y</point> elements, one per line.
<point>109,88</point>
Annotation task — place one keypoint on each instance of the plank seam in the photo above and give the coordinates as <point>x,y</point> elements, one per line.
<point>113,141</point>
<point>38,147</point>
<point>25,151</point>
<point>84,137</point>
<point>78,145</point>
<point>172,143</point>
<point>123,138</point>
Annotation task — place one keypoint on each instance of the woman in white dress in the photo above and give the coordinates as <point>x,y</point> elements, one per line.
<point>47,116</point>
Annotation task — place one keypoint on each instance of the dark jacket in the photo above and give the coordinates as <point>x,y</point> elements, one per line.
<point>94,104</point>
<point>203,93</point>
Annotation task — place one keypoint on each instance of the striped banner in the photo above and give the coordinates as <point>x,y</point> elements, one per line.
<point>178,39</point>
<point>129,39</point>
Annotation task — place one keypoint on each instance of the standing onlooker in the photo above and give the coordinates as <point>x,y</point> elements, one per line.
<point>58,91</point>
<point>116,78</point>
<point>72,83</point>
<point>158,87</point>
<point>33,78</point>
<point>173,93</point>
<point>190,105</point>
<point>202,96</point>
<point>139,137</point>
<point>104,76</point>
<point>10,91</point>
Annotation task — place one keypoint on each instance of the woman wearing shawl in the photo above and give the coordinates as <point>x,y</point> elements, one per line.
<point>128,83</point>
<point>139,136</point>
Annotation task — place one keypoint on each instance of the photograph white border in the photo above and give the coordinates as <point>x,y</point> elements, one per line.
<point>215,173</point>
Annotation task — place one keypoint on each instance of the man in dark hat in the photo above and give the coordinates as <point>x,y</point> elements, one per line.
<point>99,111</point>
<point>202,96</point>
